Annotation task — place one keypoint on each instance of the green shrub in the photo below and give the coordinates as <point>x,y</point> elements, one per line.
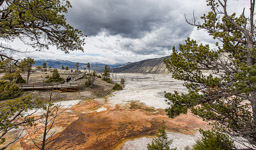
<point>55,78</point>
<point>107,79</point>
<point>122,81</point>
<point>8,90</point>
<point>38,67</point>
<point>117,87</point>
<point>87,83</point>
<point>14,77</point>
<point>20,80</point>
<point>47,77</point>
<point>161,141</point>
<point>213,141</point>
<point>90,80</point>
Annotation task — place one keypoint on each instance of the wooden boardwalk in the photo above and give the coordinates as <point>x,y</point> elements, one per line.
<point>71,85</point>
<point>48,86</point>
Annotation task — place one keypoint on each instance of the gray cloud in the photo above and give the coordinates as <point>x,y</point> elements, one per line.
<point>122,31</point>
<point>129,18</point>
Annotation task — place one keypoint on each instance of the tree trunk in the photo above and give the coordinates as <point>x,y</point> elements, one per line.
<point>28,76</point>
<point>253,104</point>
<point>45,128</point>
<point>253,94</point>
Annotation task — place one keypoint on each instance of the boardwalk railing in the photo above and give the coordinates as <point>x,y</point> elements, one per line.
<point>47,86</point>
<point>80,76</point>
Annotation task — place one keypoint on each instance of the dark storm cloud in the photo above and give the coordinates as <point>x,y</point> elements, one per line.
<point>128,18</point>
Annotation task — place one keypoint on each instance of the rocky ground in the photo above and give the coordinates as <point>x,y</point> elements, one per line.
<point>96,125</point>
<point>122,120</point>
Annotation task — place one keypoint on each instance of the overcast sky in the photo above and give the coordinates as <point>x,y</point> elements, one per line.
<point>121,31</point>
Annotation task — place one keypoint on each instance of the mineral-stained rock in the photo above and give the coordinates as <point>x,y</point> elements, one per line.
<point>85,128</point>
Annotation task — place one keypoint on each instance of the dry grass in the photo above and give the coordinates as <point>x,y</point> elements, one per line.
<point>134,105</point>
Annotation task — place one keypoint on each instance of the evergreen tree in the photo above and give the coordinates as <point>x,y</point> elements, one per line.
<point>14,77</point>
<point>38,67</point>
<point>31,19</point>
<point>62,67</point>
<point>8,91</point>
<point>213,141</point>
<point>55,77</point>
<point>106,74</point>
<point>14,115</point>
<point>35,18</point>
<point>161,141</point>
<point>66,68</point>
<point>26,65</point>
<point>228,94</point>
<point>44,66</point>
<point>77,66</point>
<point>88,66</point>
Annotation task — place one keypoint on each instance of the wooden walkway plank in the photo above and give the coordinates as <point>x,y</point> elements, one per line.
<point>44,86</point>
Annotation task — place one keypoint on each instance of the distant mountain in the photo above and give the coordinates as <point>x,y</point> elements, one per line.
<point>155,65</point>
<point>58,64</point>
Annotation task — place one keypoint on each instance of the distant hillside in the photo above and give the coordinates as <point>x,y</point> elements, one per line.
<point>155,65</point>
<point>58,64</point>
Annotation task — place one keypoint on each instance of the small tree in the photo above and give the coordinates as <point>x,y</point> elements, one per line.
<point>122,81</point>
<point>213,141</point>
<point>44,66</point>
<point>26,65</point>
<point>47,119</point>
<point>8,90</point>
<point>14,77</point>
<point>62,67</point>
<point>117,87</point>
<point>77,66</point>
<point>106,74</point>
<point>90,80</point>
<point>161,141</point>
<point>55,77</point>
<point>39,68</point>
<point>88,66</point>
<point>8,65</point>
<point>66,68</point>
